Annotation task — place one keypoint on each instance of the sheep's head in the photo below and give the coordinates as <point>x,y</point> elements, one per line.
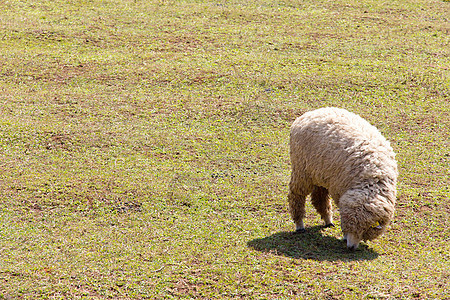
<point>363,217</point>
<point>353,237</point>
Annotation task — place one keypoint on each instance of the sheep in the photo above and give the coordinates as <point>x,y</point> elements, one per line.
<point>336,153</point>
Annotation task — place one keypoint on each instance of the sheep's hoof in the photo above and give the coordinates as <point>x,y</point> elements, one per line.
<point>328,225</point>
<point>300,230</point>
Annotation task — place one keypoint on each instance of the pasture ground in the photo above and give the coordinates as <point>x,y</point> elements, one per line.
<point>144,147</point>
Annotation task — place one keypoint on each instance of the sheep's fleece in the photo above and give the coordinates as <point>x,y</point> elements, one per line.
<point>337,153</point>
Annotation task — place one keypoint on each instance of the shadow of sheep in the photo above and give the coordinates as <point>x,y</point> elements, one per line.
<point>311,244</point>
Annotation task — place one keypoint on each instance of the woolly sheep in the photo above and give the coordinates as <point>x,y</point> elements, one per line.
<point>337,153</point>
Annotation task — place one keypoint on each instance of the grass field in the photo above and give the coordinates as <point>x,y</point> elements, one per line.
<point>144,147</point>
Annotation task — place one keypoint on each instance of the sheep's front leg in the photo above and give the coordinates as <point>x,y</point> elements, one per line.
<point>322,202</point>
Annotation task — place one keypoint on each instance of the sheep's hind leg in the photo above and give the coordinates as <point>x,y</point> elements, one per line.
<point>322,202</point>
<point>297,210</point>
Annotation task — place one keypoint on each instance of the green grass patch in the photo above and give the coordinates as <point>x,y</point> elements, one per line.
<point>144,147</point>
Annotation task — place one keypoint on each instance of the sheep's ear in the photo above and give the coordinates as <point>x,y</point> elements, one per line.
<point>377,226</point>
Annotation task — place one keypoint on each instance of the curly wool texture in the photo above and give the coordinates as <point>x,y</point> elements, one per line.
<point>335,152</point>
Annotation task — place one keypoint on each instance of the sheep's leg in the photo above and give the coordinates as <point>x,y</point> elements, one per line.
<point>322,203</point>
<point>297,210</point>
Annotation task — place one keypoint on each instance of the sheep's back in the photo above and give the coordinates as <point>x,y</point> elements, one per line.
<point>337,149</point>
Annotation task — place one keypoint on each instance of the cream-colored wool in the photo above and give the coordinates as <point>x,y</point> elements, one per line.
<point>337,153</point>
